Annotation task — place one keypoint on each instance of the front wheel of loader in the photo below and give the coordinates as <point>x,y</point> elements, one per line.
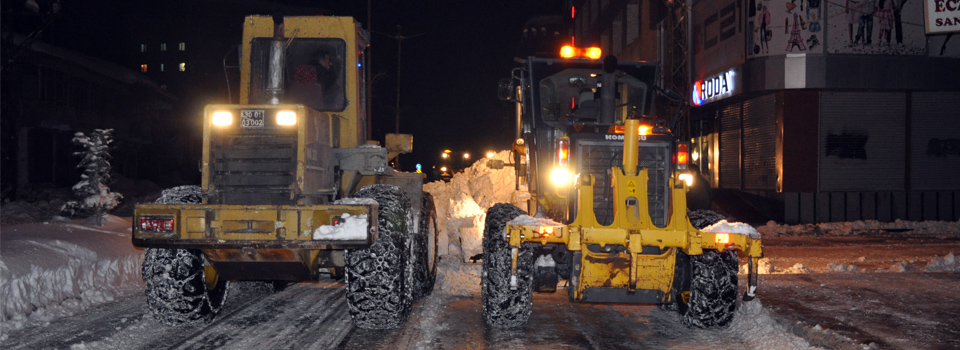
<point>180,288</point>
<point>378,293</point>
<point>712,299</point>
<point>505,304</point>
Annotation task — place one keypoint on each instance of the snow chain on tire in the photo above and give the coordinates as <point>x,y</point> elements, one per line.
<point>378,292</point>
<point>425,249</point>
<point>713,290</point>
<point>176,279</point>
<point>503,307</point>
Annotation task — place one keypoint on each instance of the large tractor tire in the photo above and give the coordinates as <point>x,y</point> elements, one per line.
<point>703,218</point>
<point>712,299</point>
<point>180,286</point>
<point>424,255</point>
<point>503,306</point>
<point>378,291</point>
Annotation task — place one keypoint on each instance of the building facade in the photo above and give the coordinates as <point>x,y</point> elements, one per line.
<point>833,111</point>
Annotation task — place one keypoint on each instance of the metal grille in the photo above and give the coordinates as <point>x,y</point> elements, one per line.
<point>862,141</point>
<point>730,128</point>
<point>253,167</point>
<point>598,158</point>
<point>760,134</point>
<point>934,160</point>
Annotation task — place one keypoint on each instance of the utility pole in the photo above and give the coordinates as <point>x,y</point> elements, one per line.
<point>400,38</point>
<point>368,75</point>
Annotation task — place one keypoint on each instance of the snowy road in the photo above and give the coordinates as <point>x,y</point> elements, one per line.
<point>314,316</point>
<point>889,301</point>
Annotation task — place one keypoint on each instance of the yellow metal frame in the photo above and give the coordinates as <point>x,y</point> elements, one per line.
<point>289,226</point>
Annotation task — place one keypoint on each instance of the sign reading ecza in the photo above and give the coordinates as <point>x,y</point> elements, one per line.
<point>942,16</point>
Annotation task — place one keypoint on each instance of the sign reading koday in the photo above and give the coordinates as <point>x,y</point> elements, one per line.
<point>942,16</point>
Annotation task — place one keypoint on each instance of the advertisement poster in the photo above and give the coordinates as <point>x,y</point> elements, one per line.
<point>778,27</point>
<point>888,27</point>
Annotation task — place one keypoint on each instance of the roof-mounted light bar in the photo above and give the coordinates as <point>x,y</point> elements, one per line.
<point>593,53</point>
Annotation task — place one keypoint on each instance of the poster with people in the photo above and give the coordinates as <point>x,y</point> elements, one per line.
<point>888,27</point>
<point>779,27</point>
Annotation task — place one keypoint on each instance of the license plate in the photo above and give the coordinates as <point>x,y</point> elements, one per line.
<point>251,118</point>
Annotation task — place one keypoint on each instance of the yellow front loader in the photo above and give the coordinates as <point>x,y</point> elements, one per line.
<point>291,189</point>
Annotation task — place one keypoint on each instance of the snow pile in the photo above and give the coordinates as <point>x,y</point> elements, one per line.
<point>797,268</point>
<point>838,267</point>
<point>947,263</point>
<point>733,227</point>
<point>759,330</point>
<point>351,227</point>
<point>462,204</point>
<point>859,227</point>
<point>902,266</point>
<point>763,267</point>
<point>55,269</point>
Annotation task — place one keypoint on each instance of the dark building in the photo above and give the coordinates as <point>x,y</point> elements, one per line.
<point>50,93</point>
<point>809,111</point>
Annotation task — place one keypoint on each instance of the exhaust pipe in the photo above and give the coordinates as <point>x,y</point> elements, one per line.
<point>608,91</point>
<point>278,58</point>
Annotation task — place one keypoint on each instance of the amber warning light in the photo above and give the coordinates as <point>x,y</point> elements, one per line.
<point>593,53</point>
<point>722,238</point>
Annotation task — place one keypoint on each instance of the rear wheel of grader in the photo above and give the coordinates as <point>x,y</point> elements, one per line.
<point>506,303</point>
<point>712,299</point>
<point>378,293</point>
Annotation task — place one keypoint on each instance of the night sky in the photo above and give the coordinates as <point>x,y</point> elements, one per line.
<point>448,78</point>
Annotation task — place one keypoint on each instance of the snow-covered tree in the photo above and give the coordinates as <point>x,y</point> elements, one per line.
<point>93,195</point>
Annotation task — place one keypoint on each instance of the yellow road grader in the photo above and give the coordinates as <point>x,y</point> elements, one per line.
<point>608,209</point>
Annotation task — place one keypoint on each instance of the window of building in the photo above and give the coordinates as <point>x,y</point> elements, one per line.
<point>161,67</point>
<point>143,47</point>
<point>633,22</point>
<point>143,67</point>
<point>617,38</point>
<point>594,11</point>
<point>183,46</point>
<point>183,67</point>
<point>163,47</point>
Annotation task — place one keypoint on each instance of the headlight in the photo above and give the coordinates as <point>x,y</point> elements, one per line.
<point>286,118</point>
<point>222,118</point>
<point>688,178</point>
<point>561,177</point>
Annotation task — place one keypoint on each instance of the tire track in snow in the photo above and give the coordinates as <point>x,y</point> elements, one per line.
<point>304,316</point>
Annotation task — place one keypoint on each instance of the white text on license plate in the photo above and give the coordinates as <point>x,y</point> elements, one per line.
<point>251,118</point>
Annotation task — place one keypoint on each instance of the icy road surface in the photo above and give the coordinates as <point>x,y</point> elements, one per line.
<point>314,316</point>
